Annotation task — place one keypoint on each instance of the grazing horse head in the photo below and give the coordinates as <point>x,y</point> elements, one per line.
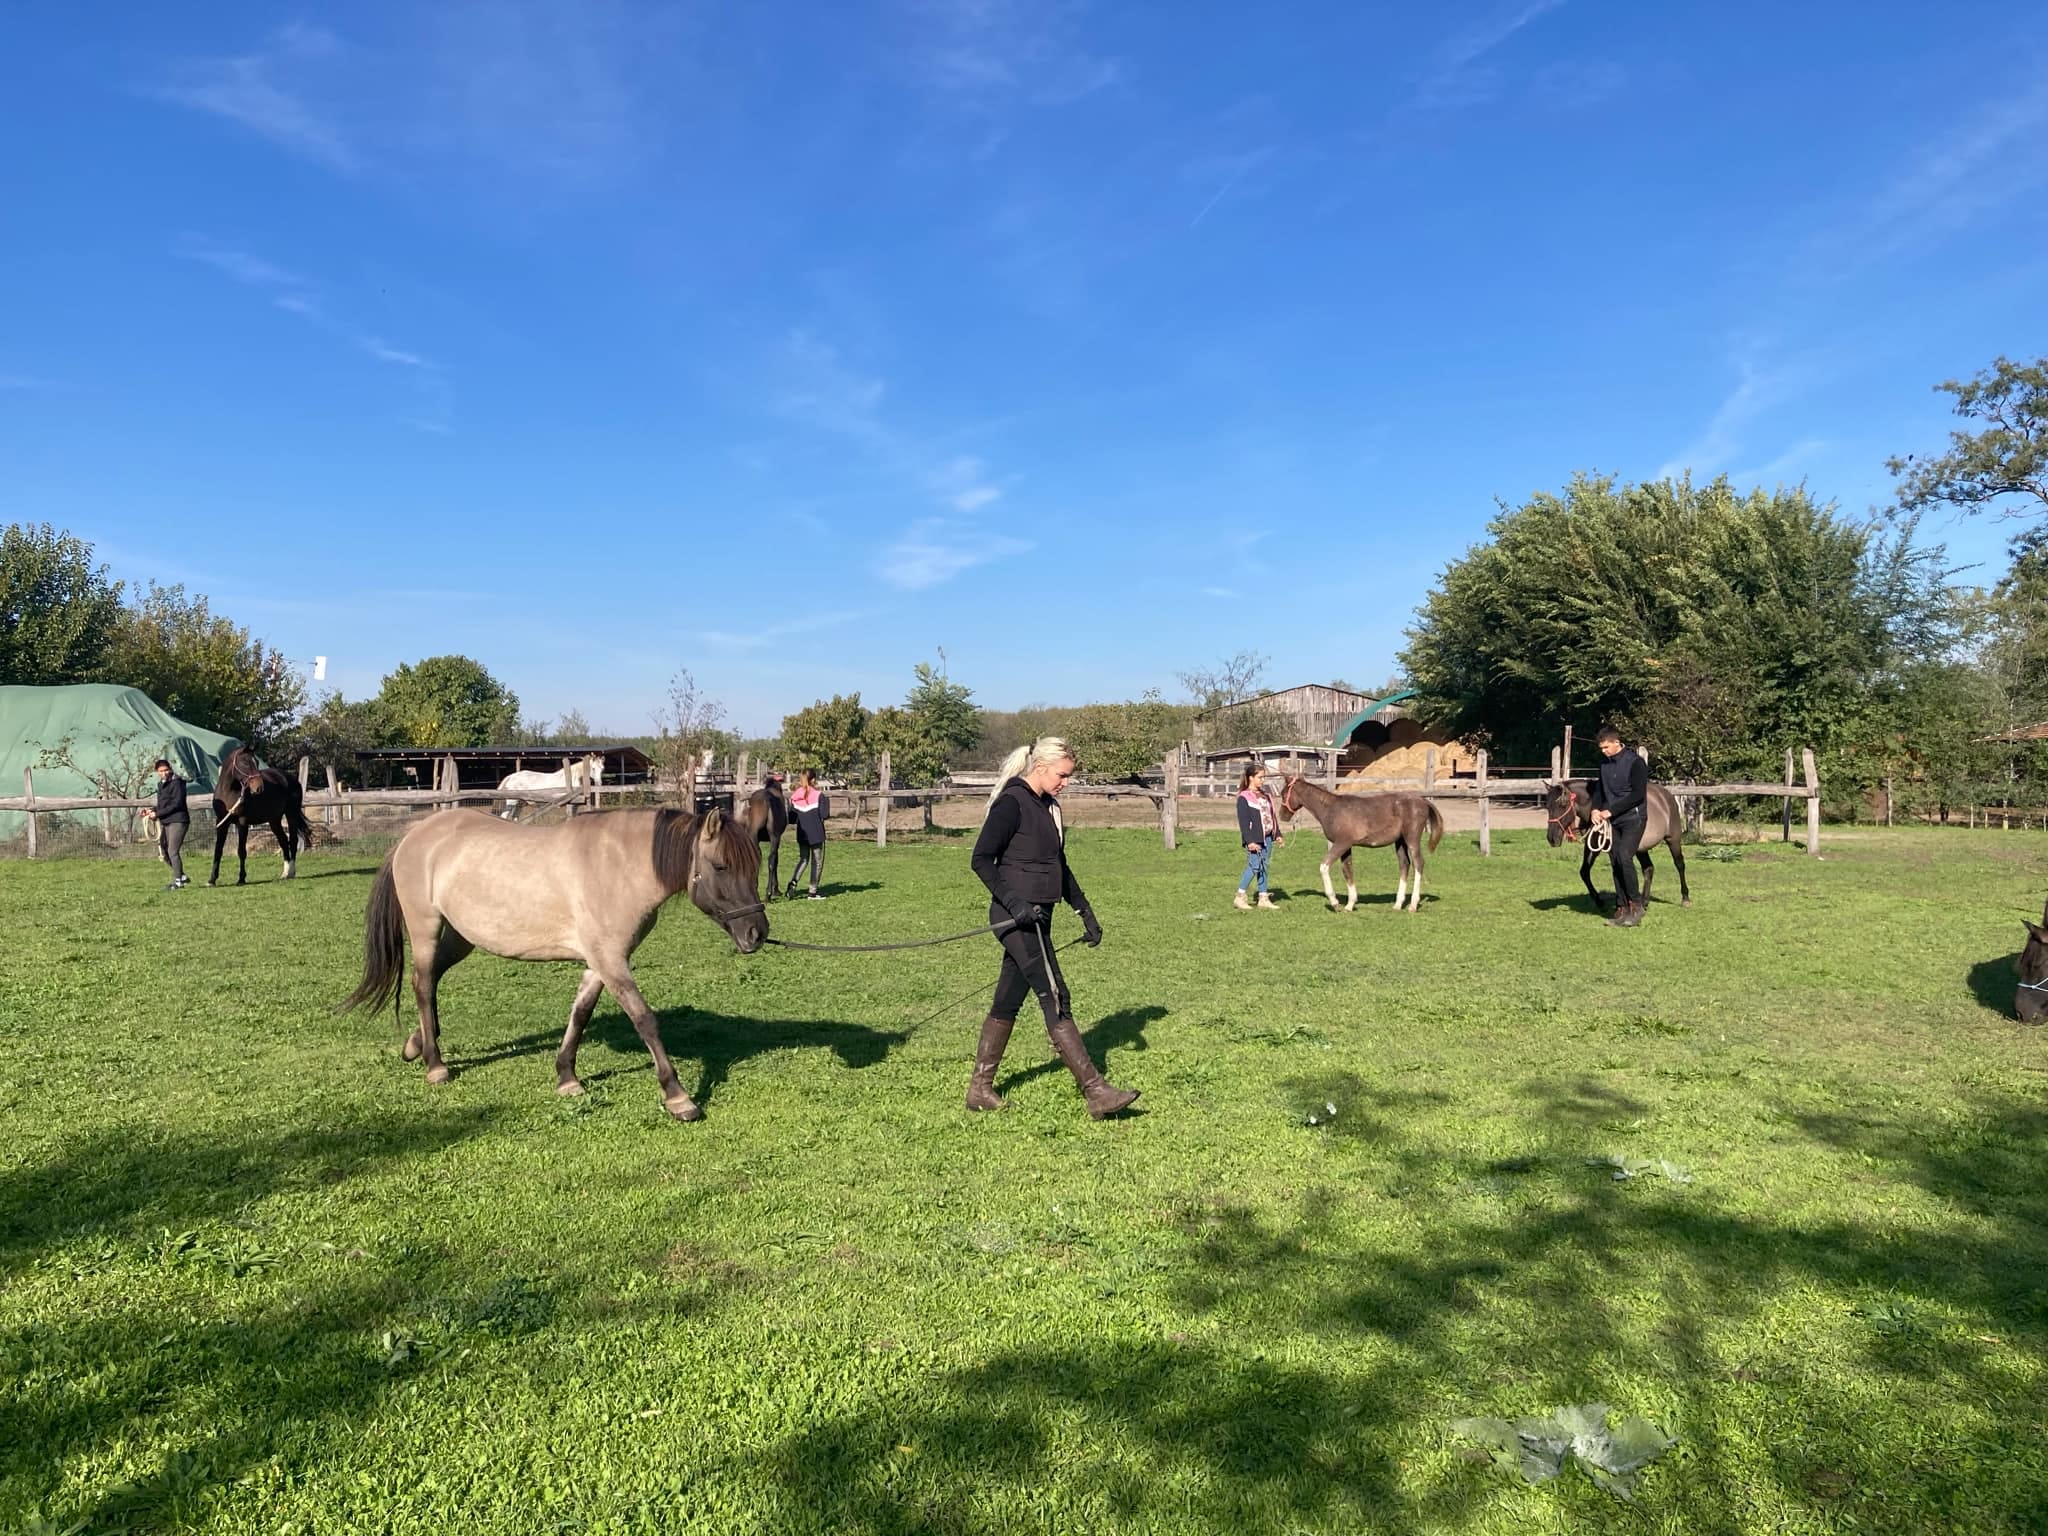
<point>1567,808</point>
<point>2030,1001</point>
<point>715,858</point>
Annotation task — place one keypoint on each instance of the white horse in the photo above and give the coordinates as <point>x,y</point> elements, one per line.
<point>579,775</point>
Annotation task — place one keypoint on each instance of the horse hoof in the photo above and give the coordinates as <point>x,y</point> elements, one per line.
<point>1686,902</point>
<point>410,1051</point>
<point>570,1089</point>
<point>438,1075</point>
<point>684,1109</point>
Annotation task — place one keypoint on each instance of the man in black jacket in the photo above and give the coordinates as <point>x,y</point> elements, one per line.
<point>1619,792</point>
<point>173,821</point>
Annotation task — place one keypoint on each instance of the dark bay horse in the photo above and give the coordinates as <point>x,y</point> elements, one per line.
<point>248,792</point>
<point>1367,821</point>
<point>766,815</point>
<point>589,890</point>
<point>1571,812</point>
<point>2030,998</point>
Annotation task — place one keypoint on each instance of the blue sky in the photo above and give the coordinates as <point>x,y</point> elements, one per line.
<point>793,343</point>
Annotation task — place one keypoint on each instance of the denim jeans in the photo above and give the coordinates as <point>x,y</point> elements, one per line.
<point>1255,864</point>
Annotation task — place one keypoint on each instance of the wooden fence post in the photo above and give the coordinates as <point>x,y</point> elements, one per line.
<point>739,780</point>
<point>568,784</point>
<point>1785,815</point>
<point>1485,819</point>
<point>1812,801</point>
<point>1169,804</point>
<point>882,805</point>
<point>1567,757</point>
<point>1555,775</point>
<point>28,790</point>
<point>305,775</point>
<point>1429,770</point>
<point>330,814</point>
<point>1330,780</point>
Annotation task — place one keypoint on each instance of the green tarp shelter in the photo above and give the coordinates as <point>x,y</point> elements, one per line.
<point>102,729</point>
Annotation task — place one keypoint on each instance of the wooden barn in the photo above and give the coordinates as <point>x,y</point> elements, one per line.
<point>1312,712</point>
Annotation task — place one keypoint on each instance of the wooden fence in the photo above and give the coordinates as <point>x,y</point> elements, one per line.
<point>1166,790</point>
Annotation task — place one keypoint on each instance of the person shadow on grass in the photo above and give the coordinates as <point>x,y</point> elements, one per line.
<point>1125,1027</point>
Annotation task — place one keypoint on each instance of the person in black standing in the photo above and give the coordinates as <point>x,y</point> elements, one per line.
<point>808,808</point>
<point>172,820</point>
<point>1021,857</point>
<point>1619,792</point>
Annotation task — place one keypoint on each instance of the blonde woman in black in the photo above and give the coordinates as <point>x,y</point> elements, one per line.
<point>1021,857</point>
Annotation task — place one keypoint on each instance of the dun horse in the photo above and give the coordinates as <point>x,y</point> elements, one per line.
<point>1571,812</point>
<point>766,815</point>
<point>1367,821</point>
<point>246,792</point>
<point>588,890</point>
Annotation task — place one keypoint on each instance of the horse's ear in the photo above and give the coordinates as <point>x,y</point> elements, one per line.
<point>714,821</point>
<point>2039,933</point>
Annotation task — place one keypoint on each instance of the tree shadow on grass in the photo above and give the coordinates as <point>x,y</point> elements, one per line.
<point>1568,1287</point>
<point>120,1184</point>
<point>720,1041</point>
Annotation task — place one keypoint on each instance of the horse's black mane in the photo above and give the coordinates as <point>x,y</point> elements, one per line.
<point>675,845</point>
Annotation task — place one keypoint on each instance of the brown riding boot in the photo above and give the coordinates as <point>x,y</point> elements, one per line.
<point>1103,1099</point>
<point>988,1055</point>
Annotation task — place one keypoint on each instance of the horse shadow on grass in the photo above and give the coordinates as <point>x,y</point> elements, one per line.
<point>1995,983</point>
<point>719,1041</point>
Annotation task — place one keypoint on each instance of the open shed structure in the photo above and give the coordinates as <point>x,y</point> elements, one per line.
<point>486,767</point>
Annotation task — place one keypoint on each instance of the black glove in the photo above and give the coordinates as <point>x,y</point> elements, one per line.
<point>1091,929</point>
<point>1025,914</point>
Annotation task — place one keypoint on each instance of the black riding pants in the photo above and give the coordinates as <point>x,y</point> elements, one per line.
<point>1029,965</point>
<point>812,854</point>
<point>1628,837</point>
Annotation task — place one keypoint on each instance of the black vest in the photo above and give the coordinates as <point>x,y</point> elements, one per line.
<point>1034,862</point>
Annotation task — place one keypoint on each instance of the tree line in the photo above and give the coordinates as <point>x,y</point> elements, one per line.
<point>1721,628</point>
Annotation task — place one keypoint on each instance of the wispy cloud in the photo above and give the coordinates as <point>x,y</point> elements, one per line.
<point>1949,182</point>
<point>24,383</point>
<point>1458,76</point>
<point>258,91</point>
<point>1757,389</point>
<point>1789,465</point>
<point>935,550</point>
<point>1223,173</point>
<point>830,395</point>
<point>995,55</point>
<point>299,295</point>
<point>1222,592</point>
<point>772,634</point>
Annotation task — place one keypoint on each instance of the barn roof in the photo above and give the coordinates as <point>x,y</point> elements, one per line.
<point>1343,737</point>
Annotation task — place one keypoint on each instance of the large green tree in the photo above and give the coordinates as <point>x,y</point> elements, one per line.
<point>828,736</point>
<point>2001,465</point>
<point>204,667</point>
<point>1720,627</point>
<point>447,701</point>
<point>1120,741</point>
<point>57,609</point>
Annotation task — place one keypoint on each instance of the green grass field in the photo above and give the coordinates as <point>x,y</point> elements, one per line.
<point>257,1276</point>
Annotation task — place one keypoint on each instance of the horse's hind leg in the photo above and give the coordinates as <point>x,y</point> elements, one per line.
<point>1678,863</point>
<point>774,866</point>
<point>648,1028</point>
<point>242,852</point>
<point>566,1081</point>
<point>1649,872</point>
<point>1413,858</point>
<point>1401,862</point>
<point>433,954</point>
<point>1350,884</point>
<point>287,844</point>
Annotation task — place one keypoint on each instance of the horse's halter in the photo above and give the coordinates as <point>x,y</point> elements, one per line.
<point>1567,820</point>
<point>696,873</point>
<point>1287,796</point>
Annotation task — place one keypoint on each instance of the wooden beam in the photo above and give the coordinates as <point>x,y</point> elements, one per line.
<point>1169,803</point>
<point>28,793</point>
<point>1485,809</point>
<point>882,804</point>
<point>1786,811</point>
<point>1812,801</point>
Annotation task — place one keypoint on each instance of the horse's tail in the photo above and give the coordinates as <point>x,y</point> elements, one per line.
<point>1436,824</point>
<point>295,815</point>
<point>383,946</point>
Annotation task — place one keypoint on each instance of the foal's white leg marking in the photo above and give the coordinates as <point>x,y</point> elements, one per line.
<point>1328,889</point>
<point>1350,887</point>
<point>1401,890</point>
<point>1415,901</point>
